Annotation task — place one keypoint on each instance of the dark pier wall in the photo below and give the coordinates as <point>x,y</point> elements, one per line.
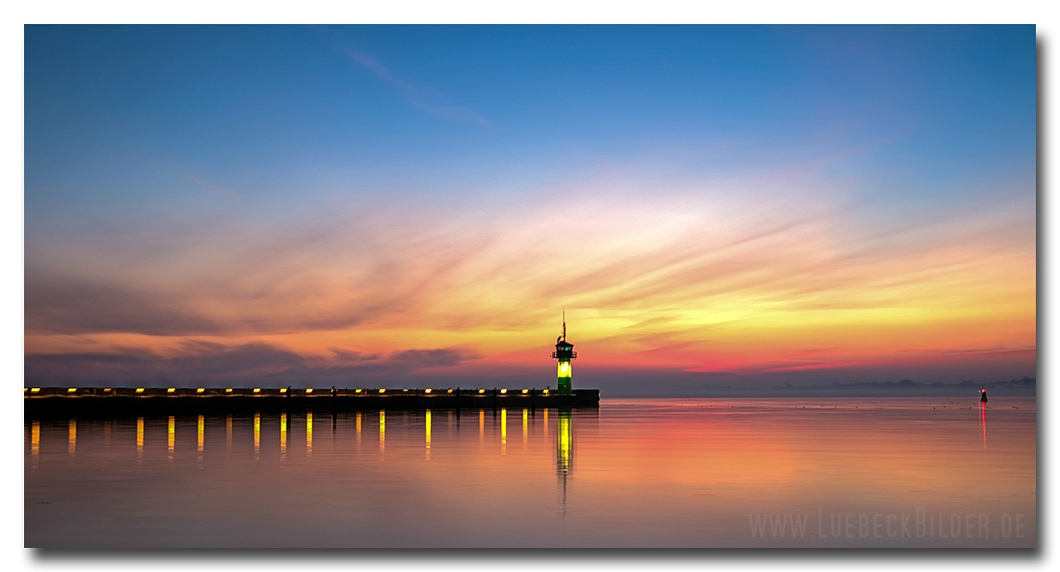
<point>106,402</point>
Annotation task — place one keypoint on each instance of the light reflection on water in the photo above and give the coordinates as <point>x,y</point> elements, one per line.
<point>664,472</point>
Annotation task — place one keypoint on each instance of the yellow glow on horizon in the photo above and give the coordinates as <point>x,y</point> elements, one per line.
<point>693,282</point>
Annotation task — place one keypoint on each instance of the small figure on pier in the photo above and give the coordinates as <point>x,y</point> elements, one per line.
<point>982,396</point>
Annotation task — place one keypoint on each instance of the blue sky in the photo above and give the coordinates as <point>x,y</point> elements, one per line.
<point>360,156</point>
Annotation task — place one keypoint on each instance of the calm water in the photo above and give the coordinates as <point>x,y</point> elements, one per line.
<point>660,472</point>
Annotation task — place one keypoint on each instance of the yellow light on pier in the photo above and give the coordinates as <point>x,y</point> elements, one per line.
<point>34,390</point>
<point>308,391</point>
<point>482,391</point>
<point>200,390</point>
<point>503,391</point>
<point>257,390</point>
<point>283,390</point>
<point>357,391</point>
<point>171,390</point>
<point>450,391</point>
<point>545,392</point>
<point>382,391</point>
<point>428,390</point>
<point>106,390</point>
<point>139,390</point>
<point>525,391</point>
<point>228,390</point>
<point>72,390</point>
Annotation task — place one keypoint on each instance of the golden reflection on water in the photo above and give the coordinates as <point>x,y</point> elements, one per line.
<point>201,430</point>
<point>257,434</point>
<point>525,419</point>
<point>72,438</point>
<point>309,434</point>
<point>34,444</point>
<point>228,433</point>
<point>139,440</point>
<point>171,436</point>
<point>283,437</point>
<point>504,431</point>
<point>427,431</point>
<point>481,428</point>
<point>382,432</point>
<point>565,442</point>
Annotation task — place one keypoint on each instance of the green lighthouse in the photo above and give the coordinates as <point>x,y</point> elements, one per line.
<point>564,353</point>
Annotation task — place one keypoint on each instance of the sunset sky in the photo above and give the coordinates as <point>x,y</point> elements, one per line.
<point>416,205</point>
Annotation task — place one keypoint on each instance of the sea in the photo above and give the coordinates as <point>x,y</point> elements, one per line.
<point>875,472</point>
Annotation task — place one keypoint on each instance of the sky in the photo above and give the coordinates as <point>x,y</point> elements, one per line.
<point>737,206</point>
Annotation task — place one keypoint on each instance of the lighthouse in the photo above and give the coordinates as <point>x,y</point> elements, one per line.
<point>563,354</point>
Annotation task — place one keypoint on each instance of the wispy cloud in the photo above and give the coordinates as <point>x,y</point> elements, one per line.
<point>426,98</point>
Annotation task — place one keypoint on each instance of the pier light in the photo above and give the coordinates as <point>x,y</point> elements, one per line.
<point>450,391</point>
<point>106,390</point>
<point>545,391</point>
<point>428,390</point>
<point>34,390</point>
<point>257,390</point>
<point>382,391</point>
<point>404,391</point>
<point>139,390</point>
<point>72,390</point>
<point>283,390</point>
<point>482,391</point>
<point>308,391</point>
<point>525,391</point>
<point>357,391</point>
<point>503,391</point>
<point>228,390</point>
<point>25,389</point>
<point>201,390</point>
<point>171,390</point>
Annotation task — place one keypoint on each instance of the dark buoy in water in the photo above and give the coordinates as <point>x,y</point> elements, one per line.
<point>982,396</point>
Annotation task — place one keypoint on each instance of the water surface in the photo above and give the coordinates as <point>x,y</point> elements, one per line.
<point>902,472</point>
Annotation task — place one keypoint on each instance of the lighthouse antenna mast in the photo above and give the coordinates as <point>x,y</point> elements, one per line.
<point>564,324</point>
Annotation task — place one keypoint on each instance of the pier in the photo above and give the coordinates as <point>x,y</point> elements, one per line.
<point>45,402</point>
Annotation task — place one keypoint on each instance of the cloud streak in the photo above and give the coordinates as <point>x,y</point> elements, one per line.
<point>423,97</point>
